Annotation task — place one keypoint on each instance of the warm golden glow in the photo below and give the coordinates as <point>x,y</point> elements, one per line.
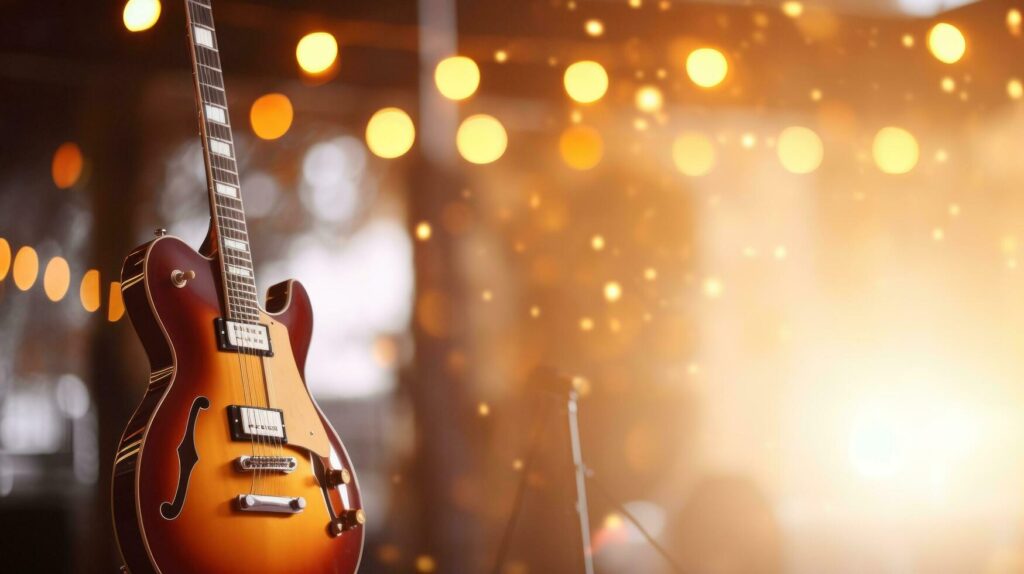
<point>57,278</point>
<point>390,133</point>
<point>713,288</point>
<point>316,52</point>
<point>586,81</point>
<point>423,231</point>
<point>946,43</point>
<point>597,243</point>
<point>141,15</point>
<point>115,303</point>
<point>457,77</point>
<point>483,409</point>
<point>706,67</point>
<point>948,84</point>
<point>26,268</point>
<point>907,40</point>
<point>66,168</point>
<point>586,324</point>
<point>581,147</point>
<point>895,150</point>
<point>1014,88</point>
<point>792,9</point>
<point>271,116</point>
<point>500,56</point>
<point>612,291</point>
<point>5,258</point>
<point>89,291</point>
<point>1013,21</point>
<point>693,154</point>
<point>593,27</point>
<point>800,149</point>
<point>649,99</point>
<point>481,139</point>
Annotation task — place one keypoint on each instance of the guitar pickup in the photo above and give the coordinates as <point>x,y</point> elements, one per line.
<point>251,423</point>
<point>249,338</point>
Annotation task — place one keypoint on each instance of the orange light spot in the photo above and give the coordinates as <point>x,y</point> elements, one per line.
<point>115,305</point>
<point>5,258</point>
<point>67,165</point>
<point>56,279</point>
<point>271,116</point>
<point>89,292</point>
<point>581,147</point>
<point>26,268</point>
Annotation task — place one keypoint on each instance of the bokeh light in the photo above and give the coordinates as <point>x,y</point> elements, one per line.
<point>140,15</point>
<point>390,133</point>
<point>612,291</point>
<point>1014,88</point>
<point>649,99</point>
<point>457,77</point>
<point>26,268</point>
<point>271,116</point>
<point>706,67</point>
<point>792,8</point>
<point>57,278</point>
<point>581,147</point>
<point>586,81</point>
<point>5,258</point>
<point>946,43</point>
<point>693,153</point>
<point>895,150</point>
<point>89,291</point>
<point>316,52</point>
<point>800,149</point>
<point>481,139</point>
<point>115,303</point>
<point>67,165</point>
<point>593,27</point>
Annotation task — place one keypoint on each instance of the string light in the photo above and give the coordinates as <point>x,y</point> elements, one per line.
<point>706,67</point>
<point>649,99</point>
<point>612,291</point>
<point>593,27</point>
<point>586,81</point>
<point>89,290</point>
<point>792,9</point>
<point>271,116</point>
<point>500,56</point>
<point>56,279</point>
<point>693,154</point>
<point>457,77</point>
<point>481,139</point>
<point>390,133</point>
<point>140,15</point>
<point>581,147</point>
<point>317,52</point>
<point>946,43</point>
<point>67,165</point>
<point>800,149</point>
<point>423,231</point>
<point>895,150</point>
<point>26,268</point>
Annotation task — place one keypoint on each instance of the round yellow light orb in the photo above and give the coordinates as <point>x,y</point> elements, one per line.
<point>593,27</point>
<point>800,149</point>
<point>706,67</point>
<point>316,52</point>
<point>946,43</point>
<point>5,258</point>
<point>693,154</point>
<point>26,268</point>
<point>390,133</point>
<point>457,77</point>
<point>141,15</point>
<point>649,99</point>
<point>481,139</point>
<point>612,291</point>
<point>1014,89</point>
<point>56,279</point>
<point>67,165</point>
<point>581,147</point>
<point>586,81</point>
<point>89,291</point>
<point>895,150</point>
<point>271,116</point>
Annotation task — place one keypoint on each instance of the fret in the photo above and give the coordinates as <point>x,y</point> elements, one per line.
<point>225,176</point>
<point>208,57</point>
<point>213,96</point>
<point>221,132</point>
<point>211,77</point>
<point>225,163</point>
<point>231,208</point>
<point>201,13</point>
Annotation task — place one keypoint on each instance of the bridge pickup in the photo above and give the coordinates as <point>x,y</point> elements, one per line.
<point>278,504</point>
<point>249,423</point>
<point>283,464</point>
<point>249,338</point>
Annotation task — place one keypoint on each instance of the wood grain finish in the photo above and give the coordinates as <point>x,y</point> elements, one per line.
<point>211,535</point>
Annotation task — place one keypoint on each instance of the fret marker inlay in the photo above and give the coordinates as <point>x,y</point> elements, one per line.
<point>240,271</point>
<point>204,37</point>
<point>220,147</point>
<point>225,189</point>
<point>216,114</point>
<point>236,245</point>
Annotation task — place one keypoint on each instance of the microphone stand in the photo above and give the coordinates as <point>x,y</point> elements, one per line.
<point>582,474</point>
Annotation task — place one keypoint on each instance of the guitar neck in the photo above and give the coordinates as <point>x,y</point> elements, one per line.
<point>226,209</point>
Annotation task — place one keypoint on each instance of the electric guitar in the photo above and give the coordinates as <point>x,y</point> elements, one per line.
<point>228,465</point>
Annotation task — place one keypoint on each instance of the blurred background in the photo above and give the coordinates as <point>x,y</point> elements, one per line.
<point>777,243</point>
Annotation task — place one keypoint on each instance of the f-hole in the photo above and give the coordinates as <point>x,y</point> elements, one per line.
<point>187,459</point>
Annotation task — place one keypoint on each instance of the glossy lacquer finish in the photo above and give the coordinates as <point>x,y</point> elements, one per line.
<point>211,534</point>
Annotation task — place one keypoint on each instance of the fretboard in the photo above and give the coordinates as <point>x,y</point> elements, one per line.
<point>228,214</point>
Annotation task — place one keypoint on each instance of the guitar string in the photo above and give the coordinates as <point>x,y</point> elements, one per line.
<point>244,379</point>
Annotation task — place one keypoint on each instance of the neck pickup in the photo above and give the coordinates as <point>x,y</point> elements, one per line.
<point>247,338</point>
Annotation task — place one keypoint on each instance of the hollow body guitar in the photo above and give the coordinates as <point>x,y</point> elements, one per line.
<point>228,464</point>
